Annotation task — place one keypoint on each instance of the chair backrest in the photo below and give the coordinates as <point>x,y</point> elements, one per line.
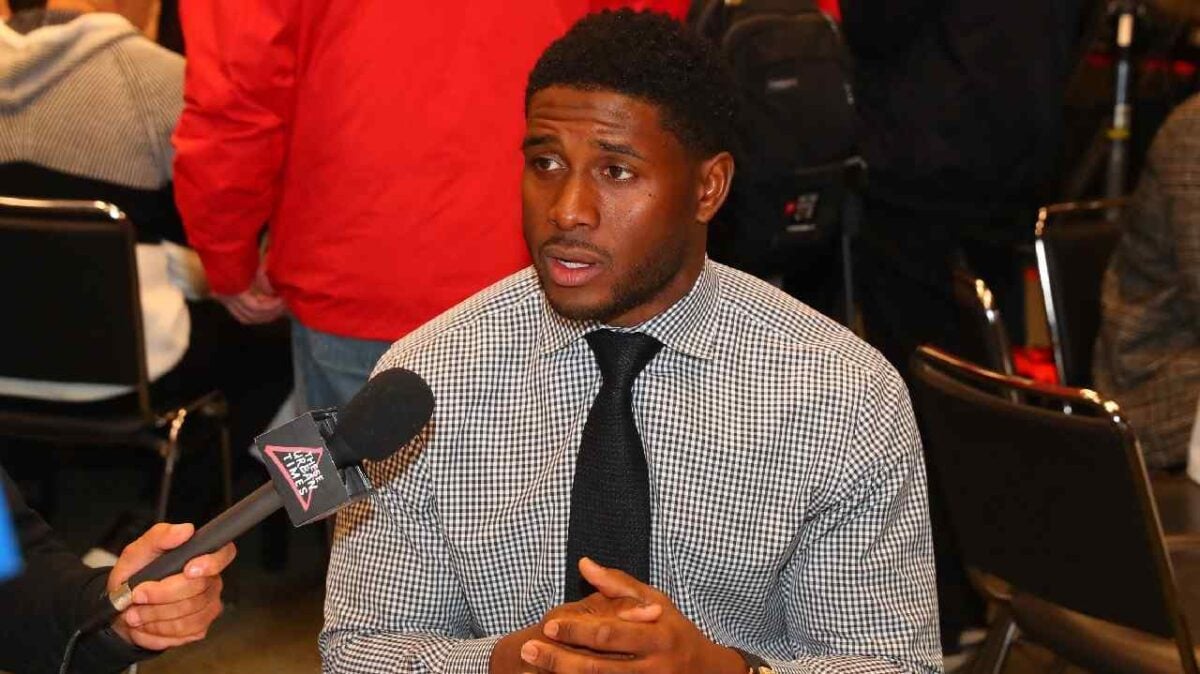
<point>1074,242</point>
<point>1057,505</point>
<point>983,336</point>
<point>74,314</point>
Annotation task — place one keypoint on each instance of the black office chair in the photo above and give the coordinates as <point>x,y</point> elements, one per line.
<point>1058,507</point>
<point>74,316</point>
<point>983,335</point>
<point>1074,242</point>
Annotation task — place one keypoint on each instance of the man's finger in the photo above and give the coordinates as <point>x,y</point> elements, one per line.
<point>614,583</point>
<point>169,590</point>
<point>236,310</point>
<point>149,546</point>
<point>561,659</point>
<point>153,642</point>
<point>646,613</point>
<point>258,312</point>
<point>211,564</point>
<point>604,633</point>
<point>168,634</point>
<point>627,609</point>
<point>262,304</point>
<point>141,616</point>
<point>262,283</point>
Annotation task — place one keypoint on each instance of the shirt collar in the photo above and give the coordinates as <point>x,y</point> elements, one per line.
<point>688,326</point>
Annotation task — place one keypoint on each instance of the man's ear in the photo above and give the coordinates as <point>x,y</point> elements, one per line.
<point>716,175</point>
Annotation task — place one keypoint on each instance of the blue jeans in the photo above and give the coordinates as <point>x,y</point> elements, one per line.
<point>331,369</point>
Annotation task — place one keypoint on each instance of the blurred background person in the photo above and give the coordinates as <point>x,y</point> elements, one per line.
<point>961,107</point>
<point>87,108</point>
<point>1148,352</point>
<point>352,130</point>
<point>961,103</point>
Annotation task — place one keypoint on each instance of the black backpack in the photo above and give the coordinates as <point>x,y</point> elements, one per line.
<point>798,132</point>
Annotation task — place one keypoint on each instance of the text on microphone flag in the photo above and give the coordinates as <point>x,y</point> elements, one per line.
<point>300,466</point>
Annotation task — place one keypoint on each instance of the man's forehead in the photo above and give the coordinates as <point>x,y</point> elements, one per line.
<point>601,106</point>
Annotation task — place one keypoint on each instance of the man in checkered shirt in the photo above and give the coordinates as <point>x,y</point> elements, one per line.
<point>789,527</point>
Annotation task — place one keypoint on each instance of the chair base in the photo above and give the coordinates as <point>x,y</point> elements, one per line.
<point>146,433</point>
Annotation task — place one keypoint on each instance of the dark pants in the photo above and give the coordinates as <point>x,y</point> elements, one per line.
<point>903,261</point>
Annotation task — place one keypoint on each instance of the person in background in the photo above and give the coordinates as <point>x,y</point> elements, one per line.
<point>386,198</point>
<point>961,106</point>
<point>1148,350</point>
<point>55,592</point>
<point>961,103</point>
<point>87,109</point>
<point>639,460</point>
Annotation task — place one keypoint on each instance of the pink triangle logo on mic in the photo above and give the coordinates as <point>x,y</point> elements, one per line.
<point>302,468</point>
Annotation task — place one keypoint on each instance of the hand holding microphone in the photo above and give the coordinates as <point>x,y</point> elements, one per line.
<point>178,609</point>
<point>314,471</point>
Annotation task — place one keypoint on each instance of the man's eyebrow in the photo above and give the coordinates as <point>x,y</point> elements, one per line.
<point>533,141</point>
<point>619,148</point>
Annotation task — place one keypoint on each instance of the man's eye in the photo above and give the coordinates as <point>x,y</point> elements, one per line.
<point>618,173</point>
<point>546,163</point>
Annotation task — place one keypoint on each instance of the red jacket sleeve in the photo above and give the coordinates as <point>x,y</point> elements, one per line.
<point>230,140</point>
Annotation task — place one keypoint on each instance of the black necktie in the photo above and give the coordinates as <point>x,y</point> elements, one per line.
<point>610,497</point>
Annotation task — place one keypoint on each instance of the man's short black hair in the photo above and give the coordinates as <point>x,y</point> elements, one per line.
<point>652,57</point>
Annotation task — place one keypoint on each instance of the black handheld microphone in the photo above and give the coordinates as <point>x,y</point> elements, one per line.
<point>314,472</point>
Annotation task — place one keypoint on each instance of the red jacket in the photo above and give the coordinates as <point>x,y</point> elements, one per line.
<point>381,141</point>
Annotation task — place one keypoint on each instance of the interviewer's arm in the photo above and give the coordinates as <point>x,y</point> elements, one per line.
<point>54,593</point>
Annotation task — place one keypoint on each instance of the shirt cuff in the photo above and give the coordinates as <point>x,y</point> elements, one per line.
<point>471,656</point>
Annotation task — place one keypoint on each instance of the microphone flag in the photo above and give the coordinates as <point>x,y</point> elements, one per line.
<point>301,465</point>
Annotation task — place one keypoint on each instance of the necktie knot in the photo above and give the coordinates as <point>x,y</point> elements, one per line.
<point>622,355</point>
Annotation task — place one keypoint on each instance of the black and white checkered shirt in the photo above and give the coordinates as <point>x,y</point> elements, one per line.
<point>787,487</point>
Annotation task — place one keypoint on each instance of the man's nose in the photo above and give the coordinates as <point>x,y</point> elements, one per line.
<point>575,203</point>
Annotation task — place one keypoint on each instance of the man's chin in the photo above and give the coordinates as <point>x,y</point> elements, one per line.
<point>580,311</point>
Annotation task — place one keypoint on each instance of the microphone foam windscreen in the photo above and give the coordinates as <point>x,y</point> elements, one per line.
<point>381,418</point>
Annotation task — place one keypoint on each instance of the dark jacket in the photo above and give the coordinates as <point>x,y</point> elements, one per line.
<point>961,100</point>
<point>54,593</point>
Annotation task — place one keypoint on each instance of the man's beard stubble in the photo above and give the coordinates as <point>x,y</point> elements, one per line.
<point>644,281</point>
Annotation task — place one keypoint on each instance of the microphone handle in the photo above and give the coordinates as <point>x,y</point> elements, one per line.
<point>213,536</point>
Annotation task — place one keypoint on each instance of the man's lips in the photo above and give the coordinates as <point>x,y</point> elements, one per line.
<point>571,266</point>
